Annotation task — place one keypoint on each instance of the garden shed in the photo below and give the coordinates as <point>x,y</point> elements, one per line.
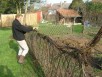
<point>68,16</point>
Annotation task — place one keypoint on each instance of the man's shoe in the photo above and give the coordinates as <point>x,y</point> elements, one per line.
<point>18,56</point>
<point>21,59</point>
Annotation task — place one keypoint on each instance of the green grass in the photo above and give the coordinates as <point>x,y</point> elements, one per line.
<point>78,28</point>
<point>9,67</point>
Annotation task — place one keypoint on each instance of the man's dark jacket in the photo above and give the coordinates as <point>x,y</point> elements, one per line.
<point>19,30</point>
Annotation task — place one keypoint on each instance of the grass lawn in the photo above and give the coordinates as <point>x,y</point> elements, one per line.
<point>8,62</point>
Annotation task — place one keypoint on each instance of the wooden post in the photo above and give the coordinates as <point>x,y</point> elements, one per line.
<point>74,20</point>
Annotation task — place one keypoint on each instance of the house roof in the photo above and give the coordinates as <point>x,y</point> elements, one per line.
<point>59,5</point>
<point>55,6</point>
<point>68,13</point>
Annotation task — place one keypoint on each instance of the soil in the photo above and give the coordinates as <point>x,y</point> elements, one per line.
<point>76,41</point>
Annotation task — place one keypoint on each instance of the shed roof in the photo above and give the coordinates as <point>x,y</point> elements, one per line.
<point>68,13</point>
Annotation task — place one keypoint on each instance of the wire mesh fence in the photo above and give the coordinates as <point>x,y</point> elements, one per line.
<point>57,29</point>
<point>57,60</point>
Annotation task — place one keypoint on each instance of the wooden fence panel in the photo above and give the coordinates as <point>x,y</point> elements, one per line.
<point>7,19</point>
<point>31,19</point>
<point>0,22</point>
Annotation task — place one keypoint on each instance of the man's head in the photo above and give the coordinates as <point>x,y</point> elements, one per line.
<point>19,16</point>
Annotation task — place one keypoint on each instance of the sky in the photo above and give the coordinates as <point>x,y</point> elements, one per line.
<point>58,1</point>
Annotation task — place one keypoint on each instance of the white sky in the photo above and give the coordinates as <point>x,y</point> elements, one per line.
<point>58,1</point>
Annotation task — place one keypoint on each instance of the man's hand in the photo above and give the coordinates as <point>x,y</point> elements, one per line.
<point>35,28</point>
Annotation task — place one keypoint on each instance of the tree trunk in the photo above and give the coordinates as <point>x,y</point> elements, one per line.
<point>20,11</point>
<point>26,6</point>
<point>17,9</point>
<point>96,39</point>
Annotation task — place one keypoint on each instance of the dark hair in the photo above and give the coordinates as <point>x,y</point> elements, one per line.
<point>18,15</point>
